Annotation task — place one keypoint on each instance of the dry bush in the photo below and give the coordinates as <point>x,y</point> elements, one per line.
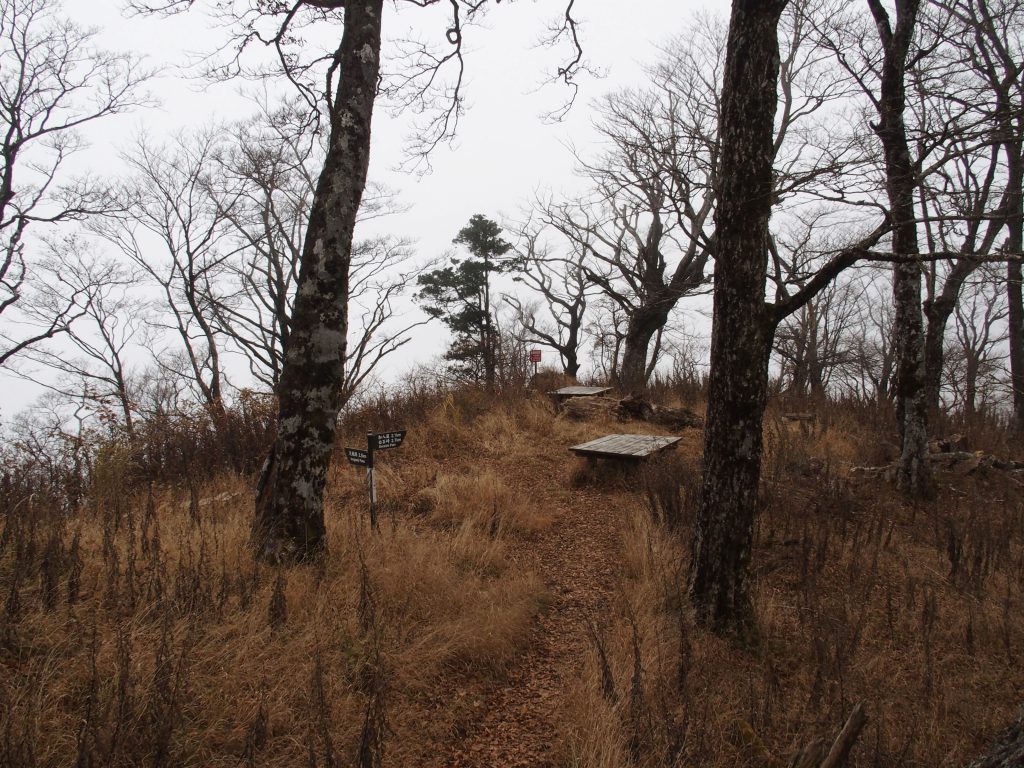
<point>550,379</point>
<point>198,443</point>
<point>685,388</point>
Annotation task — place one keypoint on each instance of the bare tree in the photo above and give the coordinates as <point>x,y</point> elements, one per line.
<point>645,223</point>
<point>264,188</point>
<point>607,332</point>
<point>556,320</point>
<point>178,238</point>
<point>878,57</point>
<point>53,82</point>
<point>381,272</point>
<point>95,359</point>
<point>628,247</point>
<point>869,370</point>
<point>975,358</point>
<point>994,46</point>
<point>815,344</point>
<point>655,189</point>
<point>741,331</point>
<point>744,323</point>
<point>289,520</point>
<point>911,406</point>
<point>959,105</point>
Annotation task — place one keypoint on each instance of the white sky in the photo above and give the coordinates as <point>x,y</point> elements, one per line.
<point>503,152</point>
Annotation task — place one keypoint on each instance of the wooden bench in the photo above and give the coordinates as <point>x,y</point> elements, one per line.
<point>625,448</point>
<point>565,393</point>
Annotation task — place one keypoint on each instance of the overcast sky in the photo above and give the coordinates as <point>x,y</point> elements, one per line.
<point>504,149</point>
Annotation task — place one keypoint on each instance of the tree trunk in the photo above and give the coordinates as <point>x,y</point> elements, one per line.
<point>489,362</point>
<point>937,312</point>
<point>913,473</point>
<point>1015,333</point>
<point>971,387</point>
<point>570,352</point>
<point>798,384</point>
<point>642,327</point>
<point>289,520</point>
<point>741,331</point>
<point>1014,245</point>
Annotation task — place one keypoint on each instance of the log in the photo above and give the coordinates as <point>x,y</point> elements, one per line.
<point>814,754</point>
<point>847,737</point>
<point>1008,751</point>
<point>632,407</point>
<point>636,407</point>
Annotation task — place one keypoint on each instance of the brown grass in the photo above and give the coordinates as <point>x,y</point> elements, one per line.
<point>136,629</point>
<point>915,610</point>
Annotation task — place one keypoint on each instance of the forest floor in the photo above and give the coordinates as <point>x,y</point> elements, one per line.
<point>579,560</point>
<point>517,608</point>
<point>576,560</point>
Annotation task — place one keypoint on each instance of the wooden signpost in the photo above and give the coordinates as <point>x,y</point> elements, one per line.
<point>358,457</point>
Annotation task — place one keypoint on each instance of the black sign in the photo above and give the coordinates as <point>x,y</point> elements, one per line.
<point>358,457</point>
<point>386,440</point>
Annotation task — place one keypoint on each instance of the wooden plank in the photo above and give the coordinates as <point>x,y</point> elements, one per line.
<point>567,392</point>
<point>630,447</point>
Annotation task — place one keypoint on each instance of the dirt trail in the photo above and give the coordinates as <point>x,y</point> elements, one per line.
<point>576,557</point>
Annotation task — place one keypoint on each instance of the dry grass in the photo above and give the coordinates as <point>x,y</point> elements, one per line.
<point>915,610</point>
<point>138,630</point>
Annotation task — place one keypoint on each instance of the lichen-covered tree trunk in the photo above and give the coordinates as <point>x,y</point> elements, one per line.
<point>289,520</point>
<point>741,331</point>
<point>912,472</point>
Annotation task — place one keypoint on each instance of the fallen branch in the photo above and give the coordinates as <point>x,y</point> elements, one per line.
<point>814,754</point>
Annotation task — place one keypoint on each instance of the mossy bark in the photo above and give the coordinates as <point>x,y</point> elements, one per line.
<point>289,520</point>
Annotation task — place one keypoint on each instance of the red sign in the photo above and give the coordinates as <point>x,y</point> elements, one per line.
<point>534,355</point>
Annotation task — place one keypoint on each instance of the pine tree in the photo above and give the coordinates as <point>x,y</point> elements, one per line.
<point>460,296</point>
